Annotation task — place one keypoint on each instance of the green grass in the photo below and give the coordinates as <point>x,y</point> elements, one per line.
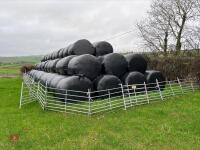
<point>13,69</point>
<point>20,60</point>
<point>173,124</point>
<point>11,65</point>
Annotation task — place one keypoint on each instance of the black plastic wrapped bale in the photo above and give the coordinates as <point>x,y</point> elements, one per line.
<point>60,53</point>
<point>86,65</point>
<point>42,66</point>
<point>51,56</point>
<point>102,48</point>
<point>37,66</point>
<point>54,55</point>
<point>32,73</point>
<point>106,84</point>
<point>136,62</point>
<point>100,59</point>
<point>151,76</point>
<point>134,81</point>
<point>52,65</point>
<point>54,81</point>
<point>62,65</point>
<point>115,64</point>
<point>47,66</point>
<point>81,47</point>
<point>57,54</point>
<point>76,88</point>
<point>38,75</point>
<point>46,78</point>
<point>65,51</point>
<point>43,78</point>
<point>48,57</point>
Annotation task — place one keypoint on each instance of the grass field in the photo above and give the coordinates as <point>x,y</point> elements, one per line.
<point>13,69</point>
<point>20,60</point>
<point>10,66</point>
<point>174,124</point>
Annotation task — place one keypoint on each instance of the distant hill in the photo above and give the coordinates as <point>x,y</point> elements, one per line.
<point>20,60</point>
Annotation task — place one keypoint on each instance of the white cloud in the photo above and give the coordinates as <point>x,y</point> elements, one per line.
<point>38,27</point>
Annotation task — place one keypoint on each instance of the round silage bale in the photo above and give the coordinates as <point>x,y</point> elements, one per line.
<point>86,65</point>
<point>47,66</point>
<point>102,48</point>
<point>134,77</point>
<point>57,54</point>
<point>65,51</point>
<point>136,62</point>
<point>60,53</point>
<point>100,59</point>
<point>42,65</point>
<point>39,66</point>
<point>38,75</point>
<point>36,66</point>
<point>151,76</point>
<point>115,64</point>
<point>76,88</point>
<point>48,57</point>
<point>46,78</point>
<point>43,78</point>
<point>62,65</point>
<point>52,65</point>
<point>106,84</point>
<point>81,47</point>
<point>55,80</point>
<point>134,81</point>
<point>54,55</point>
<point>32,73</point>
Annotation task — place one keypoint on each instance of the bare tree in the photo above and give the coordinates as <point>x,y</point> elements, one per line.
<point>181,12</point>
<point>193,38</point>
<point>168,19</point>
<point>155,29</point>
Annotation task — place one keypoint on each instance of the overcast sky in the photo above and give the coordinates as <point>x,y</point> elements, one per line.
<point>41,26</point>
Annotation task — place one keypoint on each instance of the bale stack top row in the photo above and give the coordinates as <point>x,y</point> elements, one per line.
<point>81,47</point>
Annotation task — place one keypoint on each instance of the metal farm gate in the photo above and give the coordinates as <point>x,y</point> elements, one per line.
<point>93,102</point>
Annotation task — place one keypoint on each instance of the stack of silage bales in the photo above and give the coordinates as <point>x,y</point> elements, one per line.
<point>82,66</point>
